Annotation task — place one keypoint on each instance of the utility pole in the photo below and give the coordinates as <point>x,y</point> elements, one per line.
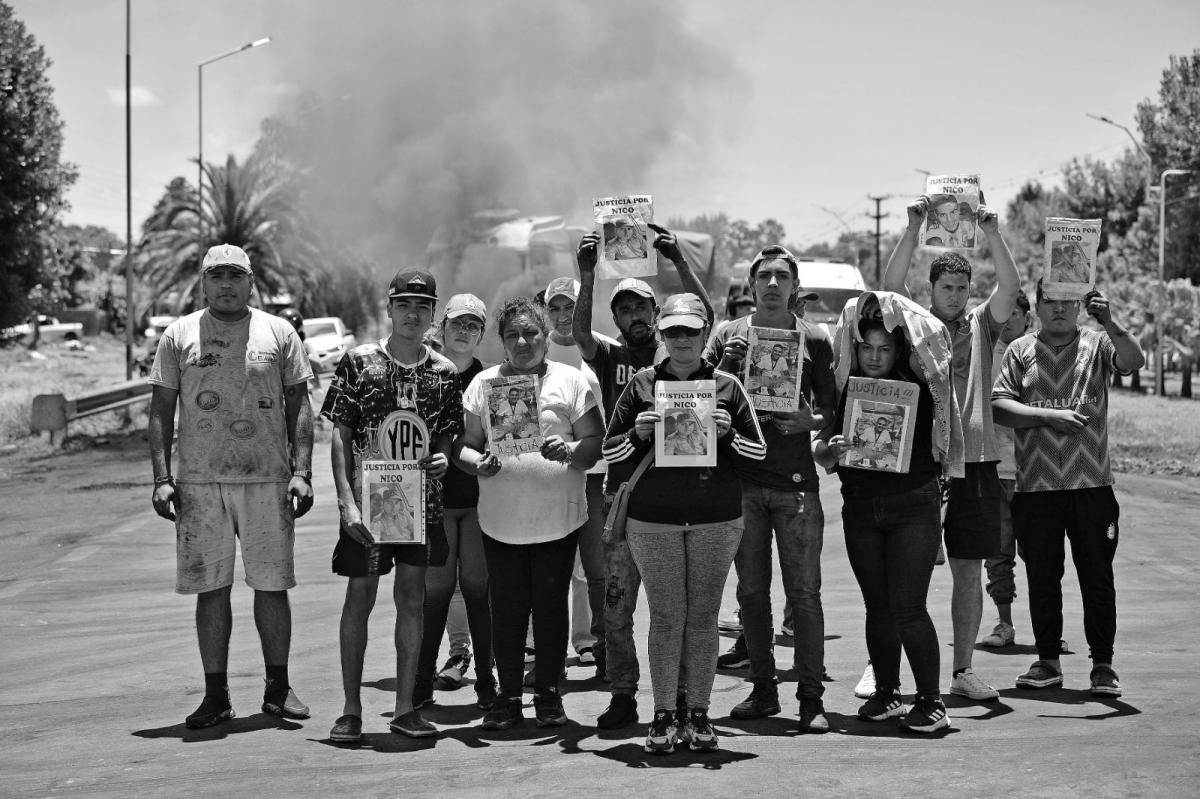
<point>878,217</point>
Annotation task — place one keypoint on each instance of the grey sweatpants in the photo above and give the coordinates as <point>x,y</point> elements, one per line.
<point>683,570</point>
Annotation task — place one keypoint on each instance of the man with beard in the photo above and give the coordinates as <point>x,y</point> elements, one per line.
<point>635,313</point>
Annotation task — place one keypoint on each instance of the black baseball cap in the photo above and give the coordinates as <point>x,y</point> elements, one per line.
<point>413,283</point>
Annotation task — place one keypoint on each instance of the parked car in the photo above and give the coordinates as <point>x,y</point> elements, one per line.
<point>327,339</point>
<point>50,330</point>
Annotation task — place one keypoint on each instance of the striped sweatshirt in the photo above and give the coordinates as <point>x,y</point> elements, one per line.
<point>683,495</point>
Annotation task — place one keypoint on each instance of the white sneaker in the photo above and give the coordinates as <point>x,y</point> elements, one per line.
<point>1002,635</point>
<point>969,685</point>
<point>866,686</point>
<point>731,623</point>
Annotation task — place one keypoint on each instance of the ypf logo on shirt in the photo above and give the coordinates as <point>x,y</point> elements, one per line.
<point>402,436</point>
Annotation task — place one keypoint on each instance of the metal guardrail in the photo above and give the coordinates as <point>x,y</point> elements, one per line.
<point>53,412</point>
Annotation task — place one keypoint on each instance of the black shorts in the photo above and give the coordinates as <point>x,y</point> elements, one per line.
<point>973,508</point>
<point>350,558</point>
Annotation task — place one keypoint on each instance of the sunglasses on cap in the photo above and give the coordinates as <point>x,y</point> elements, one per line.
<point>680,330</point>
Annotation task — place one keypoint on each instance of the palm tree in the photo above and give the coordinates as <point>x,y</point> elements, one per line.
<point>255,205</point>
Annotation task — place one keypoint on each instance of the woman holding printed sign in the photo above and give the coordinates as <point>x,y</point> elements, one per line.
<point>685,522</point>
<point>531,504</point>
<point>888,351</point>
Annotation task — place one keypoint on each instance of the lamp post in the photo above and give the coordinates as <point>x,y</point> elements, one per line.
<point>1159,381</point>
<point>200,141</point>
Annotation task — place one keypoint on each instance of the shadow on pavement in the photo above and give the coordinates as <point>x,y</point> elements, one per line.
<point>235,726</point>
<point>1071,696</point>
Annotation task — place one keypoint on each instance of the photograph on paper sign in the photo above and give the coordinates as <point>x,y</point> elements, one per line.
<point>513,423</point>
<point>625,239</point>
<point>395,507</point>
<point>875,438</point>
<point>1068,269</point>
<point>772,368</point>
<point>953,212</point>
<point>686,435</point>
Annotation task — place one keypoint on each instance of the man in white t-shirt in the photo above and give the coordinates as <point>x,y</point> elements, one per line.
<point>239,378</point>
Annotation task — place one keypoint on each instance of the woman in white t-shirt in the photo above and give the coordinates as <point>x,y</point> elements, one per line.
<point>531,507</point>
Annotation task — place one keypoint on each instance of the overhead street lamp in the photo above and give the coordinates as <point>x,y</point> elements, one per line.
<point>200,138</point>
<point>1159,382</point>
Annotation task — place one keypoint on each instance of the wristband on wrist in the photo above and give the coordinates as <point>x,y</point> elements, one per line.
<point>166,479</point>
<point>306,476</point>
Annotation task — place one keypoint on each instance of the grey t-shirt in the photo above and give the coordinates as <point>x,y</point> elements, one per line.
<point>230,378</point>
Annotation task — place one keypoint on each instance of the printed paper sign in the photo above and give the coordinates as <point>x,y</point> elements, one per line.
<point>1069,267</point>
<point>951,223</point>
<point>513,422</point>
<point>686,435</point>
<point>880,417</point>
<point>394,494</point>
<point>625,239</point>
<point>771,369</point>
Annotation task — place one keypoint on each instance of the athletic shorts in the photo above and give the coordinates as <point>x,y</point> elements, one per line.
<point>213,516</point>
<point>973,508</point>
<point>352,559</point>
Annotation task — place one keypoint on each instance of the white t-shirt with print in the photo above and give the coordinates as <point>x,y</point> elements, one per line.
<point>230,378</point>
<point>532,500</point>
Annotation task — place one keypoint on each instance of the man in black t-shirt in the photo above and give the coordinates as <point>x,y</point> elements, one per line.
<point>635,313</point>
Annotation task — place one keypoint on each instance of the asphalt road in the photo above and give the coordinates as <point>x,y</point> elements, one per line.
<point>100,666</point>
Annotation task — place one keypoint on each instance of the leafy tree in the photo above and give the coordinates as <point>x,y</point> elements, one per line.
<point>33,181</point>
<point>253,204</point>
<point>1171,131</point>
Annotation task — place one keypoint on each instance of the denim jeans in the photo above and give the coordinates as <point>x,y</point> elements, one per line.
<point>798,523</point>
<point>892,542</point>
<point>620,601</point>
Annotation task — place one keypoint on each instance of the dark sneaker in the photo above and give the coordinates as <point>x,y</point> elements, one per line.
<point>812,715</point>
<point>505,713</point>
<point>660,740</point>
<point>212,710</point>
<point>412,725</point>
<point>347,729</point>
<point>762,702</point>
<point>737,657</point>
<point>928,714</point>
<point>1040,675</point>
<point>549,710</point>
<point>422,694</point>
<point>699,732</point>
<point>882,705</point>
<point>454,672</point>
<point>621,712</point>
<point>281,700</point>
<point>1105,681</point>
<point>586,656</point>
<point>485,693</point>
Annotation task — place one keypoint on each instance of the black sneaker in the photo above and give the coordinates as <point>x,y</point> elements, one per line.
<point>212,710</point>
<point>549,710</point>
<point>737,657</point>
<point>505,713</point>
<point>699,732</point>
<point>621,712</point>
<point>762,702</point>
<point>660,739</point>
<point>422,694</point>
<point>812,715</point>
<point>485,693</point>
<point>454,672</point>
<point>280,700</point>
<point>882,705</point>
<point>928,714</point>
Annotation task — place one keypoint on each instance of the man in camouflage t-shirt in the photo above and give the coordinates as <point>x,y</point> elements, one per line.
<point>1053,391</point>
<point>392,400</point>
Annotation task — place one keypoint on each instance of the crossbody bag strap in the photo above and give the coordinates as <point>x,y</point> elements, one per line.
<point>641,469</point>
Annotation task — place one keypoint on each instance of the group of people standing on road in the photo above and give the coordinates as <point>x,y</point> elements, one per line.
<point>509,529</point>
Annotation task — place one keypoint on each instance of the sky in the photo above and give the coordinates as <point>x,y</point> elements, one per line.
<point>791,110</point>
